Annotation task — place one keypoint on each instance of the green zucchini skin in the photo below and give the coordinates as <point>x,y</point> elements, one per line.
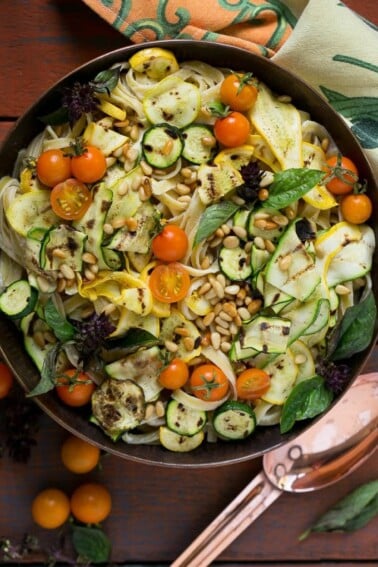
<point>184,420</point>
<point>162,145</point>
<point>235,263</point>
<point>197,148</point>
<point>234,421</point>
<point>18,299</point>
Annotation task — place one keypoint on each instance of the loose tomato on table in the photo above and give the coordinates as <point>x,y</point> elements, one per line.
<point>50,508</point>
<point>356,208</point>
<point>90,165</point>
<point>175,375</point>
<point>6,380</point>
<point>171,244</point>
<point>342,175</point>
<point>91,503</point>
<point>74,388</point>
<point>252,383</point>
<point>53,167</point>
<point>238,92</point>
<point>70,199</point>
<point>232,130</point>
<point>209,383</point>
<point>169,283</point>
<point>78,456</point>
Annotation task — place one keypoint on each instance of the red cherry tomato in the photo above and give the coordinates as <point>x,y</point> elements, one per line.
<point>53,167</point>
<point>169,282</point>
<point>90,165</point>
<point>208,382</point>
<point>171,244</point>
<point>343,175</point>
<point>75,388</point>
<point>232,130</point>
<point>70,199</point>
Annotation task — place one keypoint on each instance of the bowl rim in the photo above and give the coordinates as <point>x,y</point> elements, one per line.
<point>16,139</point>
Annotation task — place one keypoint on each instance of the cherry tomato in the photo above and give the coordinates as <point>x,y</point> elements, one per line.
<point>6,380</point>
<point>53,167</point>
<point>252,384</point>
<point>70,199</point>
<point>74,388</point>
<point>356,208</point>
<point>209,383</point>
<point>89,166</point>
<point>50,508</point>
<point>169,282</point>
<point>343,174</point>
<point>78,456</point>
<point>171,244</point>
<point>175,375</point>
<point>91,503</point>
<point>232,130</point>
<point>238,93</point>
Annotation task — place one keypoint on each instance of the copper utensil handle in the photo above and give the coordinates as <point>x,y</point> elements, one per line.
<point>252,501</point>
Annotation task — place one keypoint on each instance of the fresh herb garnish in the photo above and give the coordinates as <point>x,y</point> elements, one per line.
<point>132,341</point>
<point>91,544</point>
<point>351,513</point>
<point>91,334</point>
<point>78,99</point>
<point>63,330</point>
<point>336,376</point>
<point>252,175</point>
<point>290,185</point>
<point>213,217</point>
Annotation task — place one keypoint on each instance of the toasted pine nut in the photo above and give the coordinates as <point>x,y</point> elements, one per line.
<point>188,343</point>
<point>284,262</point>
<point>231,242</point>
<point>281,220</point>
<point>150,411</point>
<point>182,189</point>
<point>89,275</point>
<point>134,132</point>
<point>159,409</point>
<point>226,229</point>
<point>259,243</point>
<point>225,316</point>
<point>269,246</point>
<point>225,346</point>
<point>222,330</point>
<point>118,223</point>
<point>244,313</point>
<point>209,318</point>
<point>230,309</point>
<point>166,150</point>
<point>59,253</point>
<point>342,289</point>
<point>254,306</point>
<point>219,289</point>
<point>170,346</point>
<point>205,263</point>
<point>215,340</point>
<point>131,223</point>
<point>208,141</point>
<point>182,331</point>
<point>89,258</point>
<point>240,232</point>
<point>123,189</point>
<point>232,289</point>
<point>67,272</point>
<point>107,228</point>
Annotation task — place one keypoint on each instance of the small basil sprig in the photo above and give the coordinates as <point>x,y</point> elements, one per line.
<point>63,330</point>
<point>47,380</point>
<point>355,331</point>
<point>212,218</point>
<point>351,513</point>
<point>132,341</point>
<point>290,185</point>
<point>307,399</point>
<point>91,544</point>
<point>106,81</point>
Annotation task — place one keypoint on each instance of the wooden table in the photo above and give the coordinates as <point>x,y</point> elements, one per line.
<point>157,511</point>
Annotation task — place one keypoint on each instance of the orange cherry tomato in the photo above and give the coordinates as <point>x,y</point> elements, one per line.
<point>237,92</point>
<point>356,208</point>
<point>89,166</point>
<point>343,173</point>
<point>53,167</point>
<point>6,380</point>
<point>175,375</point>
<point>252,384</point>
<point>78,456</point>
<point>50,508</point>
<point>169,282</point>
<point>171,244</point>
<point>91,503</point>
<point>232,130</point>
<point>70,199</point>
<point>208,382</point>
<point>74,388</point>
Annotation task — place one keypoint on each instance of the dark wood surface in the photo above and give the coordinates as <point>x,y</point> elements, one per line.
<point>156,511</point>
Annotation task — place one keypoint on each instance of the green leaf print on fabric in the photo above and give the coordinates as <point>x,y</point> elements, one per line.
<point>122,13</point>
<point>161,26</point>
<point>367,133</point>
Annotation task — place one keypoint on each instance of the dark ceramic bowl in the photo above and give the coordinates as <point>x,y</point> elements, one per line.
<point>11,345</point>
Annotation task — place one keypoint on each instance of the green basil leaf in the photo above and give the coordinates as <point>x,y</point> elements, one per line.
<point>92,544</point>
<point>56,117</point>
<point>307,399</point>
<point>289,185</point>
<point>355,331</point>
<point>132,340</point>
<point>213,217</point>
<point>47,380</point>
<point>351,512</point>
<point>106,81</point>
<point>63,330</point>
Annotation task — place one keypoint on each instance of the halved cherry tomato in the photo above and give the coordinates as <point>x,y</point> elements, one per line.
<point>89,166</point>
<point>208,382</point>
<point>356,208</point>
<point>232,130</point>
<point>252,384</point>
<point>237,92</point>
<point>169,282</point>
<point>70,199</point>
<point>6,380</point>
<point>343,175</point>
<point>171,244</point>
<point>53,166</point>
<point>74,388</point>
<point>175,375</point>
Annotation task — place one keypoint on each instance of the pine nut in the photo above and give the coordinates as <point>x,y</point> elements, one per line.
<point>219,232</point>
<point>269,246</point>
<point>263,194</point>
<point>284,262</point>
<point>241,294</point>
<point>232,289</point>
<point>267,179</point>
<point>222,330</point>
<point>208,319</point>
<point>170,346</point>
<point>107,228</point>
<point>204,288</point>
<point>132,154</point>
<point>184,199</point>
<point>67,272</point>
<point>188,343</point>
<point>89,258</point>
<point>205,263</point>
<point>182,331</point>
<point>342,290</point>
<point>89,275</point>
<point>225,316</point>
<point>182,189</point>
<point>222,322</point>
<point>132,224</point>
<point>215,242</point>
<point>281,220</point>
<point>259,243</point>
<point>59,253</point>
<point>231,242</point>
<point>225,346</point>
<point>205,341</point>
<point>300,359</point>
<point>123,189</point>
<point>150,411</point>
<point>134,132</point>
<point>230,309</point>
<point>218,308</point>
<point>254,306</point>
<point>186,172</point>
<point>226,229</point>
<point>118,223</point>
<point>244,313</point>
<point>237,200</point>
<point>208,141</point>
<point>166,150</point>
<point>219,289</point>
<point>290,213</point>
<point>259,223</point>
<point>43,284</point>
<point>159,409</point>
<point>221,279</point>
<point>240,232</point>
<point>212,294</point>
<point>61,285</point>
<point>200,324</point>
<point>215,340</point>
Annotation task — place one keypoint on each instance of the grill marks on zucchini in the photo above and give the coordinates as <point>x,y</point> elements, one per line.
<point>162,145</point>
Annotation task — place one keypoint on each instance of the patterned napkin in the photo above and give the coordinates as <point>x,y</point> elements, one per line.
<point>322,41</point>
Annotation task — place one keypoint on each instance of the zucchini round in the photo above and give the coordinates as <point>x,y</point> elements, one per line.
<point>184,420</point>
<point>179,443</point>
<point>199,144</point>
<point>162,145</point>
<point>18,299</point>
<point>235,263</point>
<point>234,420</point>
